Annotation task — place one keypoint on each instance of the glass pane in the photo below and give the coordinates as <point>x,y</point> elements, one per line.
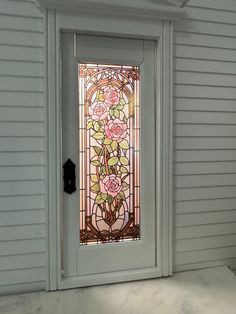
<point>109,129</point>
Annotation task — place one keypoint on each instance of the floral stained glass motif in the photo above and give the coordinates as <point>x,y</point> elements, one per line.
<point>109,153</point>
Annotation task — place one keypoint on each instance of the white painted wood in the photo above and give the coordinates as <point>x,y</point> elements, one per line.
<point>132,28</point>
<point>190,26</point>
<point>23,232</point>
<point>22,186</point>
<point>19,276</point>
<point>21,143</point>
<point>206,14</point>
<point>22,217</point>
<point>191,130</point>
<point>205,168</point>
<point>205,243</point>
<point>231,262</point>
<point>21,158</point>
<point>21,83</point>
<point>139,8</point>
<point>22,288</point>
<point>205,218</point>
<point>228,5</point>
<point>204,92</point>
<point>27,99</point>
<point>188,232</point>
<point>21,69</point>
<point>206,143</point>
<point>89,260</point>
<point>185,155</point>
<point>205,255</point>
<point>200,40</point>
<point>187,194</point>
<point>23,202</point>
<point>205,79</point>
<point>26,247</point>
<point>187,51</point>
<point>21,38</point>
<point>212,205</point>
<point>21,23</point>
<point>21,129</point>
<point>21,114</point>
<point>208,180</point>
<point>198,117</point>
<point>205,68</point>
<point>21,53</point>
<point>24,9</point>
<point>205,105</point>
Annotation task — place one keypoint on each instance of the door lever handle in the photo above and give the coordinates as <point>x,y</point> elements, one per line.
<point>69,176</point>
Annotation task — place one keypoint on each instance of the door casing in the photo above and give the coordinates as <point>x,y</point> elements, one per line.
<point>162,32</point>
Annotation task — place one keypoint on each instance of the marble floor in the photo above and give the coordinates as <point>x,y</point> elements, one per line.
<point>209,291</point>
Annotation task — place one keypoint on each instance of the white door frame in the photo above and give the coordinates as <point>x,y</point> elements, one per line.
<point>141,27</point>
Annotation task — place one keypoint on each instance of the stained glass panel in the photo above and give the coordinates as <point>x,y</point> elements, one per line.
<point>109,129</point>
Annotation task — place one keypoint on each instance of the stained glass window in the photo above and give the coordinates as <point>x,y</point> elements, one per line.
<point>109,135</point>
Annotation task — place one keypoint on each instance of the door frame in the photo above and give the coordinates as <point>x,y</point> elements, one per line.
<point>131,27</point>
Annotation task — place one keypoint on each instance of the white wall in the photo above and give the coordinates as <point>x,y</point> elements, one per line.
<point>205,135</point>
<point>205,141</point>
<point>22,213</point>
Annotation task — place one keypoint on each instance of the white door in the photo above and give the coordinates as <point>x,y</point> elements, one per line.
<point>108,131</point>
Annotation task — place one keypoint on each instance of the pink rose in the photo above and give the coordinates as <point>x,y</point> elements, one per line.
<point>111,95</point>
<point>98,111</point>
<point>116,130</point>
<point>111,185</point>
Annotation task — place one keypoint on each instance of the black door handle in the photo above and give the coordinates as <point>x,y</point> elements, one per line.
<point>69,176</point>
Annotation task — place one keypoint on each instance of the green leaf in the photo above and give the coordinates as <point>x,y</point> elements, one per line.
<point>120,107</point>
<point>93,177</point>
<point>96,126</point>
<point>121,195</point>
<point>95,162</point>
<point>125,186</point>
<point>110,199</point>
<point>113,161</point>
<point>98,136</point>
<point>125,119</point>
<point>104,196</point>
<point>104,169</point>
<point>122,101</point>
<point>89,125</point>
<point>123,169</point>
<point>124,144</point>
<point>111,112</point>
<point>124,161</point>
<point>116,113</point>
<point>114,145</point>
<point>107,141</point>
<point>95,187</point>
<point>109,148</point>
<point>97,149</point>
<point>99,199</point>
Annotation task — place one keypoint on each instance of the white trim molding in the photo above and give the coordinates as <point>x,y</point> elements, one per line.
<point>164,9</point>
<point>161,31</point>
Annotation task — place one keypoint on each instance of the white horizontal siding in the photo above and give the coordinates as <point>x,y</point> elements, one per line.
<point>205,136</point>
<point>22,161</point>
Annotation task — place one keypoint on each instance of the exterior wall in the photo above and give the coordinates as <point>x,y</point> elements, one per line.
<point>22,209</point>
<point>205,136</point>
<point>205,141</point>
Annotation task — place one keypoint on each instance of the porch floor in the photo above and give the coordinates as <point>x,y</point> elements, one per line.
<point>208,291</point>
